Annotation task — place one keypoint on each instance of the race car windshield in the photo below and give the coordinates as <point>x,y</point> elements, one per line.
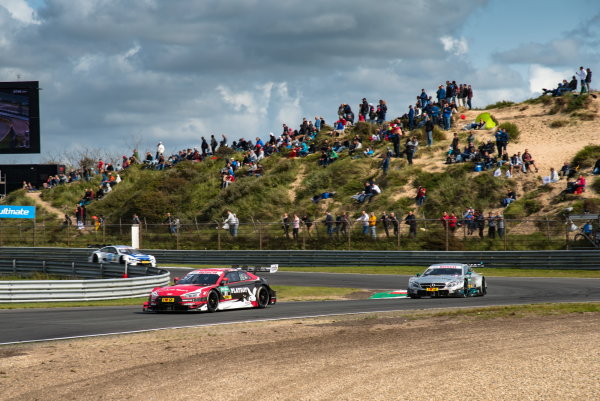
<point>443,272</point>
<point>129,251</point>
<point>199,279</point>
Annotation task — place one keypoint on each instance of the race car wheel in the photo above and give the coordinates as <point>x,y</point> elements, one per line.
<point>212,302</point>
<point>414,296</point>
<point>95,258</point>
<point>262,297</point>
<point>483,288</point>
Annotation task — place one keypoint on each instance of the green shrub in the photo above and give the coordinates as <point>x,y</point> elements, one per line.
<point>596,185</point>
<point>587,156</point>
<point>499,105</point>
<point>363,129</point>
<point>576,102</point>
<point>558,123</point>
<point>513,131</point>
<point>543,99</point>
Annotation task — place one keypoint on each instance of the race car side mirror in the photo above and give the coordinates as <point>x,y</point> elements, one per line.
<point>224,281</point>
<point>418,274</point>
<point>176,279</point>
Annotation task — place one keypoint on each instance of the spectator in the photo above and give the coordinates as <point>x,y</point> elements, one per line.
<point>553,175</point>
<point>160,150</point>
<point>135,219</point>
<point>395,224</point>
<point>411,220</point>
<point>510,197</point>
<point>445,220</point>
<point>213,144</point>
<point>491,226</point>
<point>596,169</point>
<point>582,75</point>
<point>528,161</point>
<point>429,131</point>
<point>455,142</point>
<point>385,221</point>
<point>588,79</point>
<point>231,223</point>
<point>285,225</point>
<point>385,164</point>
<point>421,195</point>
<point>171,222</point>
<point>480,222</point>
<point>411,117</point>
<point>307,224</point>
<point>447,110</point>
<point>344,221</point>
<point>295,226</point>
<point>373,225</point>
<point>500,225</point>
<point>469,220</point>
<point>363,109</point>
<point>441,94</point>
<point>452,222</point>
<point>329,224</point>
<point>67,220</point>
<point>364,219</point>
<point>324,195</point>
<point>423,99</point>
<point>410,148</point>
<point>381,112</point>
<point>469,96</point>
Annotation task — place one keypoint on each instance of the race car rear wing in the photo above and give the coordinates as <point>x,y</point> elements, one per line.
<point>480,264</point>
<point>255,269</point>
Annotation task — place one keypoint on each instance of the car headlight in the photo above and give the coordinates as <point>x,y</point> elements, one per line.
<point>154,294</point>
<point>454,283</point>
<point>413,284</point>
<point>195,294</point>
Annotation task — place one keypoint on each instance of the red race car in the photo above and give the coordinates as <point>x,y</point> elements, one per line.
<point>215,289</point>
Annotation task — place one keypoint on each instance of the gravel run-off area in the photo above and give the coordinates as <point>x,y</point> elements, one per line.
<point>370,357</point>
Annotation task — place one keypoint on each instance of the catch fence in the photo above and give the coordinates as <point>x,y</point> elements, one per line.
<point>429,235</point>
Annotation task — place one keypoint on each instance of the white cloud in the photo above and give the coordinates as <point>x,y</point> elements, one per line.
<point>455,46</point>
<point>20,10</point>
<point>545,77</point>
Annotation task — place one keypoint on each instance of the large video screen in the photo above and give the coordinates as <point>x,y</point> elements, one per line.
<point>19,117</point>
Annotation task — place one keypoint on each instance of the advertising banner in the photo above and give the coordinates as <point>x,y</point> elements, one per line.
<point>17,212</point>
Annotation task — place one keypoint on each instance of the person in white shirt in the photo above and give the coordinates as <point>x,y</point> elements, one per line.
<point>160,149</point>
<point>582,75</point>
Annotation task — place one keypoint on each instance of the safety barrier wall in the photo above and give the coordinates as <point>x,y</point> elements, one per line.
<point>588,260</point>
<point>142,280</point>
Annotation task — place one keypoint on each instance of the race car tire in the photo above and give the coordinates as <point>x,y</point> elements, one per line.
<point>483,288</point>
<point>95,258</point>
<point>414,296</point>
<point>262,297</point>
<point>212,302</point>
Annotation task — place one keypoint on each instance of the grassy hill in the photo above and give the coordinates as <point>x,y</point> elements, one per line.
<point>192,191</point>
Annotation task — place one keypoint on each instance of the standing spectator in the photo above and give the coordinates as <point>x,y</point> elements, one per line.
<point>285,225</point>
<point>232,223</point>
<point>395,224</point>
<point>364,219</point>
<point>421,195</point>
<point>364,109</point>
<point>295,226</point>
<point>135,219</point>
<point>452,222</point>
<point>385,164</point>
<point>429,131</point>
<point>160,150</point>
<point>447,116</point>
<point>441,94</point>
<point>423,98</point>
<point>204,146</point>
<point>329,224</point>
<point>588,79</point>
<point>500,225</point>
<point>445,220</point>
<point>411,117</point>
<point>582,75</point>
<point>170,221</point>
<point>480,222</point>
<point>491,226</point>
<point>395,138</point>
<point>373,225</point>
<point>381,112</point>
<point>307,223</point>
<point>317,123</point>
<point>223,143</point>
<point>213,144</point>
<point>345,220</point>
<point>411,220</point>
<point>469,96</point>
<point>410,149</point>
<point>385,221</point>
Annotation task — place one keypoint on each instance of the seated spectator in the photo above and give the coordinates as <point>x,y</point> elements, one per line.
<point>564,170</point>
<point>528,162</point>
<point>553,175</point>
<point>596,169</point>
<point>576,187</point>
<point>324,195</point>
<point>510,197</point>
<point>474,125</point>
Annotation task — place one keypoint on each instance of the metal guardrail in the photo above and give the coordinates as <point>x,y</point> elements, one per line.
<point>575,260</point>
<point>143,280</point>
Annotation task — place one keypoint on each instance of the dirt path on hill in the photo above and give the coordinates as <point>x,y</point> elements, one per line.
<point>36,197</point>
<point>372,357</point>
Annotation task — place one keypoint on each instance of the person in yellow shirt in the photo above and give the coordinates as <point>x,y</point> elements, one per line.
<point>373,225</point>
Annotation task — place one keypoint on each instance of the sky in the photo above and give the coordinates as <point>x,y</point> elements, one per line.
<point>119,74</point>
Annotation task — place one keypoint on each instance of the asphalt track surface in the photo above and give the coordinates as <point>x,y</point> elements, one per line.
<point>27,325</point>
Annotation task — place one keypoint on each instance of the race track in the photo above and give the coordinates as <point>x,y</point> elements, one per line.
<point>57,323</point>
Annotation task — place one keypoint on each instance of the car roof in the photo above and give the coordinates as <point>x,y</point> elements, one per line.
<point>214,270</point>
<point>448,265</point>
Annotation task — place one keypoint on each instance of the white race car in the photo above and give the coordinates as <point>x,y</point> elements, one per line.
<point>447,279</point>
<point>122,254</point>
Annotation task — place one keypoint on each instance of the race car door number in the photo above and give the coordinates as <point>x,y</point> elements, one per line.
<point>168,299</point>
<point>432,289</point>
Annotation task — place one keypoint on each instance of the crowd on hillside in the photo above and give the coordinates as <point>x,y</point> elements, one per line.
<point>583,76</point>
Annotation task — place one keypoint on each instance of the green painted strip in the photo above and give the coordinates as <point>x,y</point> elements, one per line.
<point>389,294</point>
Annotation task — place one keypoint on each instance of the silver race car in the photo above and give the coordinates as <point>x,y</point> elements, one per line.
<point>447,279</point>
<point>122,254</point>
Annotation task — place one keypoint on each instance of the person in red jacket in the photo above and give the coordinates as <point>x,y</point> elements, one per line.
<point>452,222</point>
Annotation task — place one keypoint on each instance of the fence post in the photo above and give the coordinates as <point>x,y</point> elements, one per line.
<point>399,218</point>
<point>447,229</point>
<point>33,233</point>
<point>567,227</point>
<point>547,228</point>
<point>260,238</point>
<point>218,238</point>
<point>505,234</point>
<point>349,235</point>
